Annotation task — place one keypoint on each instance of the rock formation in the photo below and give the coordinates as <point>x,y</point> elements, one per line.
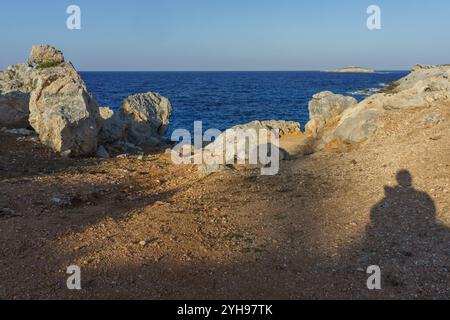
<point>49,95</point>
<point>325,108</point>
<point>44,55</point>
<point>63,112</point>
<point>15,88</point>
<point>240,136</point>
<point>358,122</point>
<point>143,119</point>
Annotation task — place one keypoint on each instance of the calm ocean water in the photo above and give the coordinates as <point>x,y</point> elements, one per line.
<point>224,99</point>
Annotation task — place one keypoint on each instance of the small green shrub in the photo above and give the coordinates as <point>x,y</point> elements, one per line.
<point>390,87</point>
<point>48,64</point>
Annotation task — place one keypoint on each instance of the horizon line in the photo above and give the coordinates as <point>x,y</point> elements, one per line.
<point>323,71</point>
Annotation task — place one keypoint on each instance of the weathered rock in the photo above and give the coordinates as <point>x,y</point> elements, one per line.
<point>247,143</point>
<point>42,55</point>
<point>14,110</point>
<point>106,113</point>
<point>358,127</point>
<point>428,74</point>
<point>325,108</point>
<point>63,112</point>
<point>419,67</point>
<point>147,117</point>
<point>142,120</point>
<point>301,145</point>
<point>15,88</point>
<point>284,127</point>
<point>113,127</point>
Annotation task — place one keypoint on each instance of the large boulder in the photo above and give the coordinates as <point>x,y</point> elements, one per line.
<point>63,112</point>
<point>245,138</point>
<point>143,119</point>
<point>15,88</point>
<point>45,55</point>
<point>325,108</point>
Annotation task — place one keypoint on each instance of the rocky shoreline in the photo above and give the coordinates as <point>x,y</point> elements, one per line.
<point>365,184</point>
<point>47,94</point>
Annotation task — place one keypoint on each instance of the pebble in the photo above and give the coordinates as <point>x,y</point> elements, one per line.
<point>142,243</point>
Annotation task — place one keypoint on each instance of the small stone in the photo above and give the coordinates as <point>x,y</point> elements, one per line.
<point>432,119</point>
<point>142,243</point>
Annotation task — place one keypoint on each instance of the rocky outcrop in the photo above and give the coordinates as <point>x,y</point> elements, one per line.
<point>17,82</point>
<point>143,119</point>
<point>424,86</point>
<point>44,55</point>
<point>325,109</point>
<point>48,94</point>
<point>63,112</point>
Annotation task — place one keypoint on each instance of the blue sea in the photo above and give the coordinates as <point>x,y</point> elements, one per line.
<point>224,99</point>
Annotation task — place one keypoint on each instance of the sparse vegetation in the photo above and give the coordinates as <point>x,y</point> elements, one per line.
<point>49,64</point>
<point>390,87</point>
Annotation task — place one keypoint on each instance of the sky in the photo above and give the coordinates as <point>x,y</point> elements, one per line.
<point>229,35</point>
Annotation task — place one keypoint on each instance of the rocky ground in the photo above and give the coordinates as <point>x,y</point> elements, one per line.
<point>141,227</point>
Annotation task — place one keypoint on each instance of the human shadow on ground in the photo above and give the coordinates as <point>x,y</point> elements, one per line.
<point>407,242</point>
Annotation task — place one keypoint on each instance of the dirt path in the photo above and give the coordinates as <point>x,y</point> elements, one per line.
<point>144,228</point>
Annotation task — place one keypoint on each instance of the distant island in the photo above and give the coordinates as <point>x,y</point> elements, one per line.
<point>352,69</point>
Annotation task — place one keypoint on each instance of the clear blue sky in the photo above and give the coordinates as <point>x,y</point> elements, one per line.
<point>229,34</point>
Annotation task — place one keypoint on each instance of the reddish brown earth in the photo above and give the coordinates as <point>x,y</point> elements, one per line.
<point>147,229</point>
